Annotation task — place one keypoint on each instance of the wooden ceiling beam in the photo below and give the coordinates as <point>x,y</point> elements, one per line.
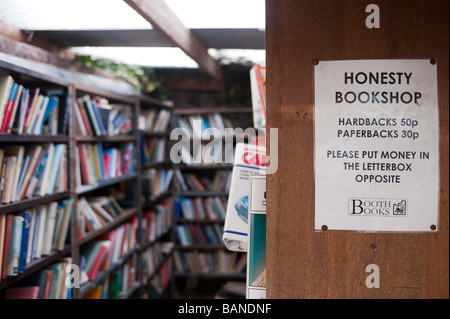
<point>164,20</point>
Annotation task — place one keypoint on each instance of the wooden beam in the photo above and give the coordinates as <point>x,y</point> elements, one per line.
<point>164,20</point>
<point>19,35</point>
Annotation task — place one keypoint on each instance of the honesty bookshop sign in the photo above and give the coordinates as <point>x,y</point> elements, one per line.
<point>376,145</point>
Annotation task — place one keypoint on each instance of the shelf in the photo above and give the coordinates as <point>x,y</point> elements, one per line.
<point>87,188</point>
<point>111,139</point>
<point>32,69</point>
<point>154,134</point>
<point>153,102</point>
<point>155,200</point>
<point>36,265</point>
<point>31,202</point>
<point>113,96</point>
<point>163,164</point>
<point>27,138</point>
<point>128,213</point>
<point>222,110</point>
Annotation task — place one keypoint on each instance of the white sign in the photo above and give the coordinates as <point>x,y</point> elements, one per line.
<point>376,145</point>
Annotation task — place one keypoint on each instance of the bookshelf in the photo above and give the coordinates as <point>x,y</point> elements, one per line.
<point>157,204</point>
<point>143,196</point>
<point>200,190</point>
<point>37,136</point>
<point>108,206</point>
<point>113,189</point>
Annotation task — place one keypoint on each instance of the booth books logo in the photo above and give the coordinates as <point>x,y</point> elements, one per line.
<point>377,207</point>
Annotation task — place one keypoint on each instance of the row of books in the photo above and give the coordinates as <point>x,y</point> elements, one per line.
<point>159,281</point>
<point>97,117</point>
<point>96,211</point>
<point>152,149</point>
<point>192,233</point>
<point>28,170</point>
<point>207,262</point>
<point>214,181</point>
<point>156,182</point>
<point>101,254</point>
<point>201,208</point>
<point>47,283</point>
<point>117,284</point>
<point>152,259</point>
<point>154,120</point>
<point>32,234</point>
<point>156,222</point>
<point>96,163</point>
<point>196,125</point>
<point>26,111</point>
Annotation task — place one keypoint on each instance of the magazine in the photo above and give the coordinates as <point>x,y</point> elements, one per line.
<point>256,254</point>
<point>248,160</point>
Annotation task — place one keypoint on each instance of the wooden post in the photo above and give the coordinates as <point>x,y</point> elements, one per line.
<point>304,263</point>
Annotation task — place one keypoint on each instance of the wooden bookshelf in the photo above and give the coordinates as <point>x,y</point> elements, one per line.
<point>156,199</point>
<point>211,249</point>
<point>102,185</point>
<point>69,86</point>
<point>28,78</point>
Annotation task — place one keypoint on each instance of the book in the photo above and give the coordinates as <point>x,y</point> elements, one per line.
<point>48,283</point>
<point>10,164</point>
<point>15,245</point>
<point>38,114</point>
<point>34,152</point>
<point>31,235</point>
<point>86,102</point>
<point>6,245</point>
<point>39,232</point>
<point>26,160</point>
<point>83,118</point>
<point>49,109</point>
<point>98,118</point>
<point>42,184</point>
<point>60,149</point>
<point>22,292</point>
<point>64,287</point>
<point>34,109</point>
<point>63,230</point>
<point>2,239</point>
<point>93,271</point>
<point>256,254</point>
<point>37,173</point>
<point>16,151</point>
<point>8,108</point>
<point>12,116</point>
<point>6,84</point>
<point>248,160</point>
<point>25,241</point>
<point>17,123</point>
<point>49,229</point>
<point>93,293</point>
<point>57,278</point>
<point>3,161</point>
